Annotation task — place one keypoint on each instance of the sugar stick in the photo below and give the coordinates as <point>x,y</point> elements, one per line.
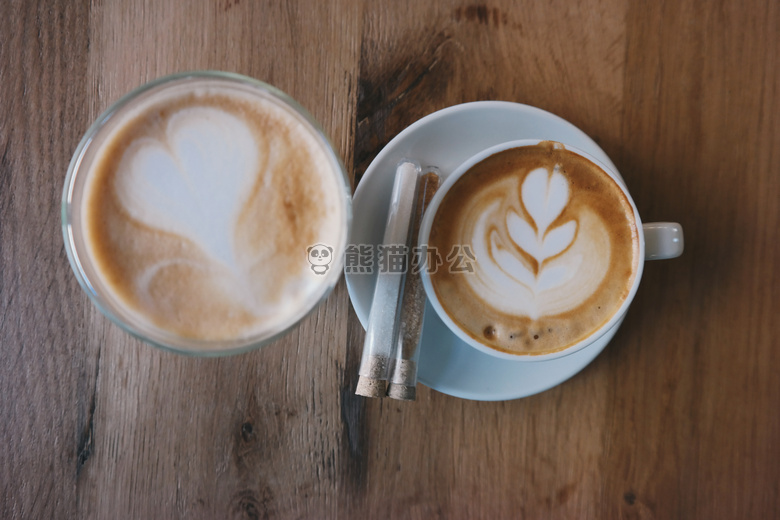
<point>381,332</point>
<point>403,369</point>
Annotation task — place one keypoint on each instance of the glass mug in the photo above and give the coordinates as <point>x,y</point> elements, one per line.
<point>206,213</point>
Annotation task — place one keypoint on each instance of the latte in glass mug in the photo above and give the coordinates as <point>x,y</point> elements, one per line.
<point>193,208</point>
<point>554,250</point>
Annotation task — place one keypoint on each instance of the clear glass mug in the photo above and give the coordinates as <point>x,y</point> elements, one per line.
<point>73,224</point>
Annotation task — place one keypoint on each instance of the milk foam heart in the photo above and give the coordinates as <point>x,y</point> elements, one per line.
<point>195,182</point>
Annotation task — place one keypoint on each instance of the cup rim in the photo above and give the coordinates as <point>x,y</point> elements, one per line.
<point>427,222</point>
<point>160,338</point>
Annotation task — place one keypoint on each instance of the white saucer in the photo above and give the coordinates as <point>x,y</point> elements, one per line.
<point>446,139</point>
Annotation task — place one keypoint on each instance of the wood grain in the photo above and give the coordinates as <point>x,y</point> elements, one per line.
<point>44,381</point>
<point>678,418</point>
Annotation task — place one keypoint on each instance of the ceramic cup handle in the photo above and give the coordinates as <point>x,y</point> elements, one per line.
<point>663,240</point>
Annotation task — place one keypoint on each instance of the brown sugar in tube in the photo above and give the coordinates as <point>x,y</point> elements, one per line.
<point>403,367</point>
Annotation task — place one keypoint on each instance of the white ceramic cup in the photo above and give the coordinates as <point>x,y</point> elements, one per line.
<point>658,240</point>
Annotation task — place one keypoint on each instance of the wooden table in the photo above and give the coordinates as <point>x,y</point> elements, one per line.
<point>678,418</point>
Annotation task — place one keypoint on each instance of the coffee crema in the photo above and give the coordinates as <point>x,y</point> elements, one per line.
<point>555,246</point>
<point>199,208</point>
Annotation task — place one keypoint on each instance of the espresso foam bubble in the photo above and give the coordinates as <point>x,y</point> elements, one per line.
<point>200,208</point>
<point>555,246</point>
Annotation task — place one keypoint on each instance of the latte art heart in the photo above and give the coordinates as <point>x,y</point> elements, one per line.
<point>193,183</point>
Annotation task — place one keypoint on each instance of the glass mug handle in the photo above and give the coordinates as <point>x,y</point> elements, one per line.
<point>663,240</point>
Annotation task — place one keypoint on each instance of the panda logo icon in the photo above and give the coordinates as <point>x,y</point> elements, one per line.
<point>320,257</point>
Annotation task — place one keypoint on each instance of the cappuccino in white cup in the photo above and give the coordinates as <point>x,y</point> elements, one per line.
<point>553,249</point>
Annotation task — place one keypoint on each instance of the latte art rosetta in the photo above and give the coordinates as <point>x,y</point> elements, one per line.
<point>534,267</point>
<point>555,247</point>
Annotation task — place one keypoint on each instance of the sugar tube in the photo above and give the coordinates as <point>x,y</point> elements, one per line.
<point>381,332</point>
<point>403,366</point>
